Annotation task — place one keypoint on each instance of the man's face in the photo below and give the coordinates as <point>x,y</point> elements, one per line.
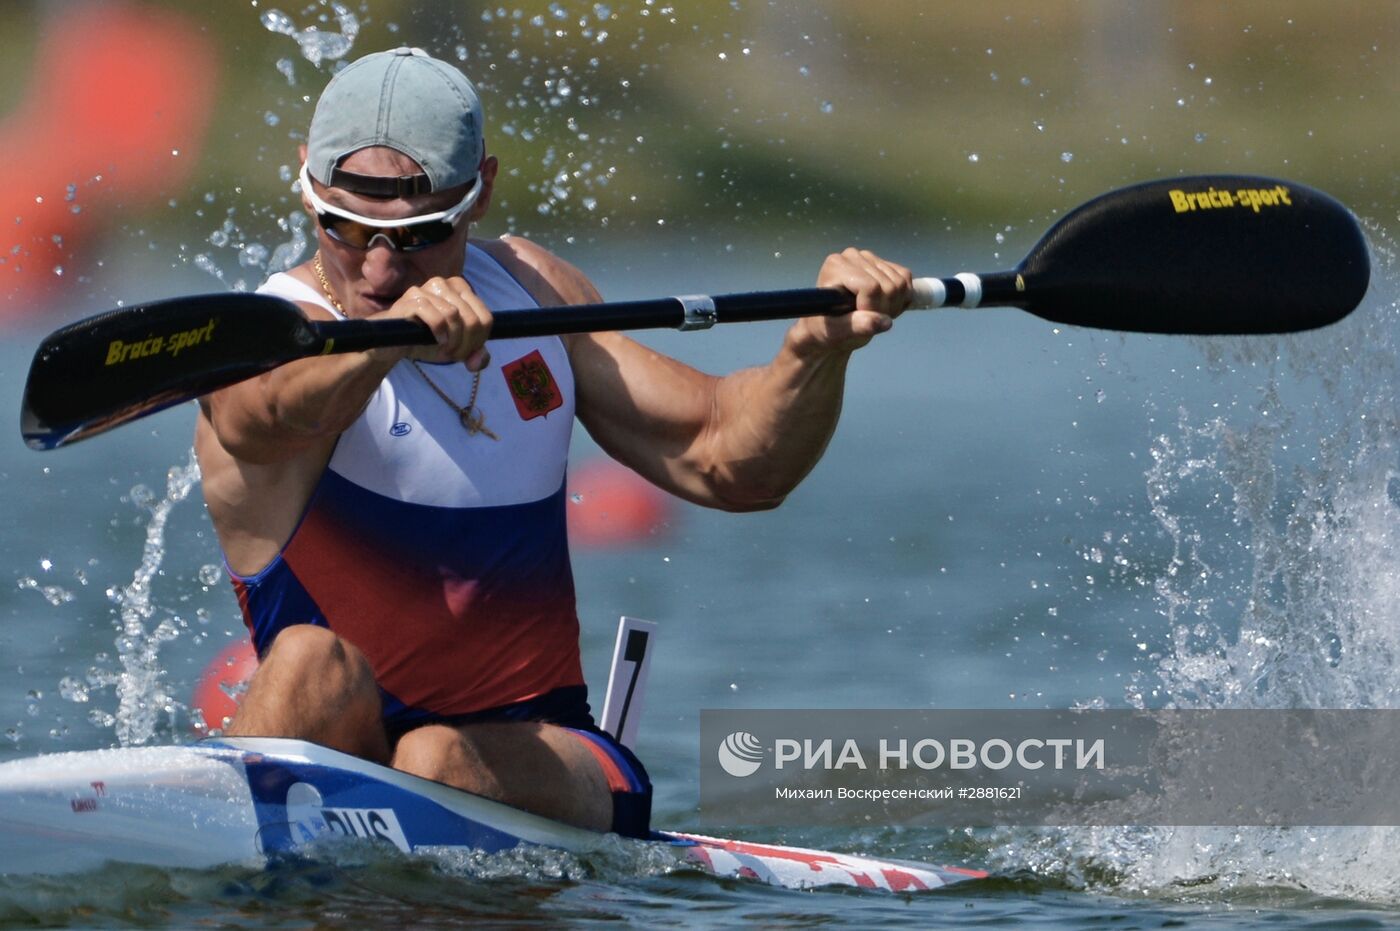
<point>368,281</point>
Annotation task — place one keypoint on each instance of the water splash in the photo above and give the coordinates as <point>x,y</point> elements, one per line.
<point>317,45</point>
<point>54,594</point>
<point>287,254</point>
<point>1281,590</point>
<point>254,255</point>
<point>141,689</point>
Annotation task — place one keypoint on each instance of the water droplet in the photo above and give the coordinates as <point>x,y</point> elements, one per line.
<point>56,595</point>
<point>100,718</point>
<point>234,690</point>
<point>271,119</point>
<point>252,255</point>
<point>277,21</point>
<point>1066,157</point>
<point>205,264</point>
<point>210,575</point>
<point>72,689</point>
<point>219,238</point>
<point>974,158</point>
<point>461,52</point>
<point>72,192</point>
<point>287,68</point>
<point>827,106</point>
<point>1200,137</point>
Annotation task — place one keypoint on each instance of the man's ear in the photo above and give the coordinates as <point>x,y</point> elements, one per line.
<point>489,167</point>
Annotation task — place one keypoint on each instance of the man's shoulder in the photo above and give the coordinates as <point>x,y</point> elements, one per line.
<point>298,286</point>
<point>549,279</point>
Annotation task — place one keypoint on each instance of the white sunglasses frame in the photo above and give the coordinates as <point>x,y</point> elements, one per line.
<point>451,216</point>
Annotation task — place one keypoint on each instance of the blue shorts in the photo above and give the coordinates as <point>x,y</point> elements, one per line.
<point>627,780</point>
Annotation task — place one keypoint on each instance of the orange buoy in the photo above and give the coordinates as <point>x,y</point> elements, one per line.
<point>610,506</point>
<point>225,677</point>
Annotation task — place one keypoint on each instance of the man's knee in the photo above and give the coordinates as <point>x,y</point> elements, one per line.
<point>316,654</point>
<point>312,667</point>
<point>313,685</point>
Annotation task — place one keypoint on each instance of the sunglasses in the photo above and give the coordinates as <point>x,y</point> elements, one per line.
<point>405,234</point>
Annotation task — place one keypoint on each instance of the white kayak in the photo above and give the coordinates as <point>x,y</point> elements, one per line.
<point>231,800</point>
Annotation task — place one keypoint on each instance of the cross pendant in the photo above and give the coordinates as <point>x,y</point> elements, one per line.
<point>475,422</point>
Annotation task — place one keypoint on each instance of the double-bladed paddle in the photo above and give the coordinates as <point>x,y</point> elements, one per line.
<point>1214,254</point>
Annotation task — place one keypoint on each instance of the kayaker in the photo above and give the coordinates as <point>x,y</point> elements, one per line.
<point>394,520</point>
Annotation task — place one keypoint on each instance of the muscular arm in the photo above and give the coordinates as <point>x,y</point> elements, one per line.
<point>301,407</point>
<point>285,412</point>
<point>740,442</point>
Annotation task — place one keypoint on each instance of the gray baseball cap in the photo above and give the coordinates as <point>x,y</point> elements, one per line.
<point>406,100</point>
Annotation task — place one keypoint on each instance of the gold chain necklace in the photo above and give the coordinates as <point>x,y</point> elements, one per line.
<point>473,420</point>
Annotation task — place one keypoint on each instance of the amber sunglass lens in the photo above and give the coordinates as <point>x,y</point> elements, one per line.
<point>422,235</point>
<point>353,234</point>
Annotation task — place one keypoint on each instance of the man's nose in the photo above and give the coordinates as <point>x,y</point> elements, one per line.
<point>383,264</point>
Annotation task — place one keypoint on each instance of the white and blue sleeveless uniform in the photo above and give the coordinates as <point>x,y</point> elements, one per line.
<point>441,555</point>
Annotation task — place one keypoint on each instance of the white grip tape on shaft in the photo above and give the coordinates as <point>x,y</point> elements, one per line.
<point>973,286</point>
<point>931,292</point>
<point>928,293</point>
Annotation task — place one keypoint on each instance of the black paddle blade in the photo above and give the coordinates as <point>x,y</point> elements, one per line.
<point>1214,254</point>
<point>97,373</point>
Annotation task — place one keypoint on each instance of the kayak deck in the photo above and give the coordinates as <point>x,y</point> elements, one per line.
<point>237,799</point>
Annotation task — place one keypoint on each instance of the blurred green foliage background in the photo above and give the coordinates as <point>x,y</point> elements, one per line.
<point>703,127</point>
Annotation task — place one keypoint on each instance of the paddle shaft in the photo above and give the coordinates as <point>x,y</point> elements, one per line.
<point>1207,255</point>
<point>695,312</point>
